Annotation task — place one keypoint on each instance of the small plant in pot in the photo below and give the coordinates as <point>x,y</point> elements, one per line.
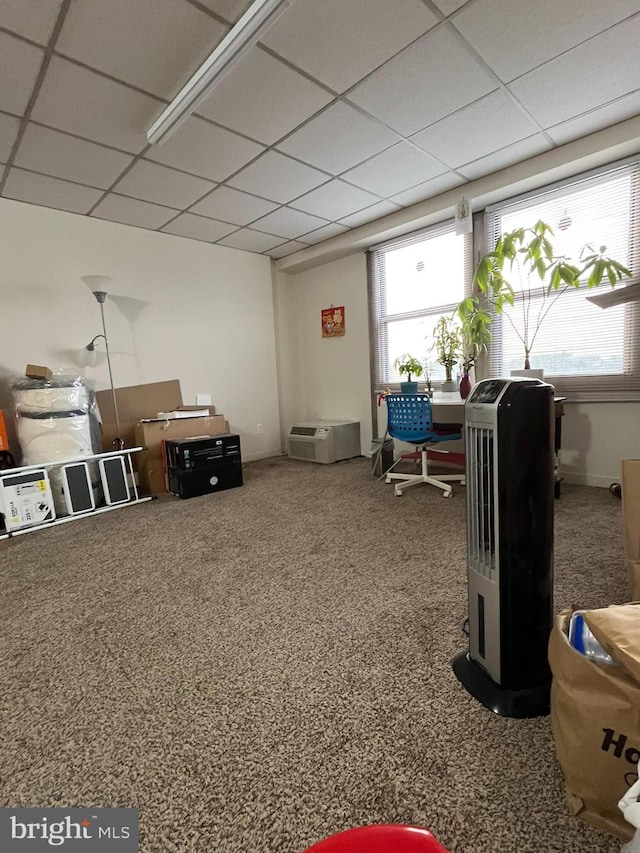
<point>526,265</point>
<point>447,344</point>
<point>410,366</point>
<point>476,335</point>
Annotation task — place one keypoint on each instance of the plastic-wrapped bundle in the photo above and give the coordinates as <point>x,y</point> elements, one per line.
<point>55,422</point>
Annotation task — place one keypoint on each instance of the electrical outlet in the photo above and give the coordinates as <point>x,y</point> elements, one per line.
<point>259,429</point>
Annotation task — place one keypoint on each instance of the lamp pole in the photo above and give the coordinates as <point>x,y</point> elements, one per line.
<point>101,295</point>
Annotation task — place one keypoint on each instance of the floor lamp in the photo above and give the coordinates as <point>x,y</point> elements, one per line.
<point>97,285</point>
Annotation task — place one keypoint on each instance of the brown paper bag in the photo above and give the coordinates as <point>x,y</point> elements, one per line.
<point>595,715</point>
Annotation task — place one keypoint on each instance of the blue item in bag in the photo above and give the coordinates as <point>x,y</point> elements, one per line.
<point>584,642</point>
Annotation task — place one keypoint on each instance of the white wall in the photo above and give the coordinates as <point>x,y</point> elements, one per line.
<point>324,377</point>
<point>178,309</point>
<point>595,437</point>
<point>330,378</point>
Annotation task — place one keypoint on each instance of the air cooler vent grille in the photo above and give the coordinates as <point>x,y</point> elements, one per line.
<point>481,489</point>
<point>302,450</point>
<point>302,430</point>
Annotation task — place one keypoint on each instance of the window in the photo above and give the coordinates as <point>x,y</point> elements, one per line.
<point>413,281</point>
<point>587,352</point>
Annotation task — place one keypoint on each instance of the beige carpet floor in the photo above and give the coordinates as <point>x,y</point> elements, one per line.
<point>260,668</point>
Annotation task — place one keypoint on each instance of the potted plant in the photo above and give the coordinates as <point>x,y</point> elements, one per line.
<point>476,335</point>
<point>411,366</point>
<point>447,343</point>
<point>527,256</point>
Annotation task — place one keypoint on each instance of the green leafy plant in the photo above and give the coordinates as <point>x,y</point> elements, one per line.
<point>475,331</point>
<point>528,256</point>
<point>447,343</point>
<point>409,365</point>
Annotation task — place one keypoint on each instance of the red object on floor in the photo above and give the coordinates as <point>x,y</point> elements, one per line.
<point>444,456</point>
<point>380,838</point>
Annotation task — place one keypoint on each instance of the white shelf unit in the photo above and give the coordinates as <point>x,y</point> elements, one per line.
<point>124,455</point>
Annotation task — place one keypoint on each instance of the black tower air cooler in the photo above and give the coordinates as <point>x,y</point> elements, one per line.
<point>509,438</point>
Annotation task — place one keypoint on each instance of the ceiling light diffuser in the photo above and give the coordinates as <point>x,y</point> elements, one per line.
<point>242,36</point>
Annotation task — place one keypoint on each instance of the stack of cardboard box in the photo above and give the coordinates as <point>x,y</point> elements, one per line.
<point>138,407</point>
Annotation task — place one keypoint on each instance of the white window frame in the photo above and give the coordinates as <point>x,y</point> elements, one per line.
<point>379,319</point>
<point>596,387</point>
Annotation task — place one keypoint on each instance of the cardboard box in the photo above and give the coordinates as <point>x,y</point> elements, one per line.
<point>179,413</point>
<point>150,435</point>
<point>211,410</point>
<point>631,517</point>
<point>135,403</point>
<point>38,371</point>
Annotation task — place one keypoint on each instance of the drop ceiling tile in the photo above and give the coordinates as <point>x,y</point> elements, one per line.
<point>250,99</point>
<point>198,227</point>
<point>446,77</point>
<point>19,66</point>
<point>335,200</point>
<point>49,192</point>
<point>428,189</point>
<point>30,18</point>
<point>287,249</point>
<point>251,241</point>
<point>130,211</point>
<point>63,156</point>
<point>448,7</point>
<point>576,82</point>
<point>8,132</point>
<point>396,169</point>
<point>338,43</point>
<point>278,178</point>
<point>234,206</point>
<point>534,32</point>
<point>205,150</point>
<point>516,153</point>
<point>382,208</point>
<point>324,233</point>
<point>289,223</point>
<point>230,10</point>
<point>612,113</point>
<point>156,47</point>
<point>338,138</point>
<point>487,125</point>
<point>151,182</point>
<point>69,98</point>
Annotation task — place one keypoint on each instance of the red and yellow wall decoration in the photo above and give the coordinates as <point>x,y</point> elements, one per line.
<point>333,322</point>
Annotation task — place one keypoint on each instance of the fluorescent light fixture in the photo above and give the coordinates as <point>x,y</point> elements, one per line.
<point>242,36</point>
<point>616,296</point>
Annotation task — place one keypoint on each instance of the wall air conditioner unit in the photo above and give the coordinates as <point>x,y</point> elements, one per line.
<point>324,441</point>
<point>509,448</point>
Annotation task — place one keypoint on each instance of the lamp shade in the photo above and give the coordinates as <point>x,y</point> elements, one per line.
<point>97,283</point>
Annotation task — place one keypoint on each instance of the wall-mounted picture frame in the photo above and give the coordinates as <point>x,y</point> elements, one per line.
<point>333,321</point>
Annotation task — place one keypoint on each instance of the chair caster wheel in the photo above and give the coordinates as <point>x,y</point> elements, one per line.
<point>447,494</point>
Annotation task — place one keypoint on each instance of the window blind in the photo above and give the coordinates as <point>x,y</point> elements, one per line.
<point>413,281</point>
<point>587,353</point>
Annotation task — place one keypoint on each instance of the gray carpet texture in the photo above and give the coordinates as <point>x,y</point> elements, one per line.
<point>260,668</point>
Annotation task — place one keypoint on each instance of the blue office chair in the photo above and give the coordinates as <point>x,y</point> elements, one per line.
<point>409,419</point>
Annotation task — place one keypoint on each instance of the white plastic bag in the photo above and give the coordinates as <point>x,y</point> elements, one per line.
<point>630,808</point>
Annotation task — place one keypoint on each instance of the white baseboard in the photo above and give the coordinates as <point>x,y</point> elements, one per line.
<point>262,454</point>
<point>601,481</point>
